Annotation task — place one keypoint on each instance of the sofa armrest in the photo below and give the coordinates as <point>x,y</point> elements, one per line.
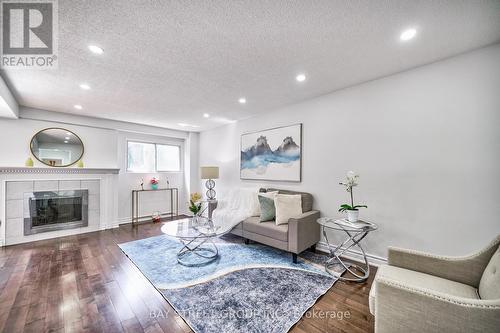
<point>303,231</point>
<point>405,308</point>
<point>467,269</point>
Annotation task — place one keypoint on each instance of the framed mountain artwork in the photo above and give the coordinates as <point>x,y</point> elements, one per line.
<point>272,154</point>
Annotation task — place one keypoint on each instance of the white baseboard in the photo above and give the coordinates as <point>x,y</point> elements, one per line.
<point>124,220</point>
<point>128,220</point>
<point>107,227</point>
<point>355,255</point>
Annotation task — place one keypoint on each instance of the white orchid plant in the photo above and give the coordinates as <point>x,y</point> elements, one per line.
<point>351,182</point>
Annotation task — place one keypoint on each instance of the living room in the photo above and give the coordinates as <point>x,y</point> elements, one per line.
<point>250,166</point>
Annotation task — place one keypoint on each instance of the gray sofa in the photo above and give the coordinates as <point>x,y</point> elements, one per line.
<point>301,232</point>
<point>421,292</point>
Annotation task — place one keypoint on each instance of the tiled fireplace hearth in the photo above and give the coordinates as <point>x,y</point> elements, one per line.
<point>37,207</point>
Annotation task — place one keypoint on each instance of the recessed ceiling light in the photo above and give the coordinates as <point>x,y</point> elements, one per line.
<point>242,100</point>
<point>78,106</point>
<point>65,141</point>
<point>85,86</point>
<point>68,133</point>
<point>206,115</point>
<point>408,34</point>
<point>66,138</point>
<point>300,77</point>
<point>96,49</point>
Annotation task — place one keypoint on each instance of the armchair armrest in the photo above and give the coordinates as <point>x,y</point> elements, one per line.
<point>466,269</point>
<point>303,231</point>
<point>405,308</point>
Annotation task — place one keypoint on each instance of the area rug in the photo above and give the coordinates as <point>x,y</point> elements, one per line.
<point>249,288</point>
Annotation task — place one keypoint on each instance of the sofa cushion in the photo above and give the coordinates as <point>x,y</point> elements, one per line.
<point>489,286</point>
<point>419,280</point>
<point>307,198</point>
<point>267,208</point>
<point>269,229</point>
<point>287,206</point>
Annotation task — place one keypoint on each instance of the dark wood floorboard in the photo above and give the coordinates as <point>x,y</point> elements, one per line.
<point>85,283</point>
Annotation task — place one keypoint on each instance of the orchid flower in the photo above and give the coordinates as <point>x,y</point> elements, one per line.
<point>352,178</point>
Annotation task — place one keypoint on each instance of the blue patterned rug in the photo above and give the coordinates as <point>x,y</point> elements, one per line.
<point>249,288</point>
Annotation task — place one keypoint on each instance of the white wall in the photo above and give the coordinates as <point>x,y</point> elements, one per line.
<point>191,165</point>
<point>105,147</point>
<point>150,201</point>
<point>15,137</point>
<point>8,104</point>
<point>426,143</point>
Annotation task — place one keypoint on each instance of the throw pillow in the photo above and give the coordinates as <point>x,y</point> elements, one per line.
<point>267,210</point>
<point>287,206</point>
<point>269,194</point>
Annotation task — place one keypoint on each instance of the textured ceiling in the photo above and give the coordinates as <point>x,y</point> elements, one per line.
<point>168,62</point>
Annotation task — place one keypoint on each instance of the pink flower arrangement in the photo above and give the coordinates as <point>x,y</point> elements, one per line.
<point>155,181</point>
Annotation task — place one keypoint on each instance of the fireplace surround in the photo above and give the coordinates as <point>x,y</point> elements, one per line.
<point>46,211</point>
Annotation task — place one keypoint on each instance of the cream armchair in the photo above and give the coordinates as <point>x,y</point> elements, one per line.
<point>420,292</point>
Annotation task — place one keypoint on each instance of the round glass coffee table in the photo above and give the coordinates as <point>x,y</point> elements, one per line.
<point>355,232</point>
<point>196,236</point>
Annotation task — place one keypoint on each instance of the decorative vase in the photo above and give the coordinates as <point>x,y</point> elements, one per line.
<point>352,215</point>
<point>29,162</point>
<point>154,186</point>
<point>156,217</point>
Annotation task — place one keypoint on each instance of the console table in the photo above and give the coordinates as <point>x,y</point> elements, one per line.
<point>135,203</point>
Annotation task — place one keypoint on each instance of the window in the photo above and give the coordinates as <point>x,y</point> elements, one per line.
<point>168,158</point>
<point>151,157</point>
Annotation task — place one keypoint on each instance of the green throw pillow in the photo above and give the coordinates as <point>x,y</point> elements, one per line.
<point>267,209</point>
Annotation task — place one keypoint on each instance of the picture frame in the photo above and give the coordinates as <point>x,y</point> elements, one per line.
<point>273,154</point>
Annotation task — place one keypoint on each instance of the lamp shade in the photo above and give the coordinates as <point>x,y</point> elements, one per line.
<point>209,172</point>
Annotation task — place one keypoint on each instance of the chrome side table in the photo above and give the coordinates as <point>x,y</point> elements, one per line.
<point>355,233</point>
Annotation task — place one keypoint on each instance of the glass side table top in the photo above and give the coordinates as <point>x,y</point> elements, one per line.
<point>343,224</point>
<point>187,228</point>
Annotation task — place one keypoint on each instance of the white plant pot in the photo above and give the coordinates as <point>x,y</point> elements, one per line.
<point>353,215</point>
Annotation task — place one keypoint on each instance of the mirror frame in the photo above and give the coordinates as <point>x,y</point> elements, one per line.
<point>56,166</point>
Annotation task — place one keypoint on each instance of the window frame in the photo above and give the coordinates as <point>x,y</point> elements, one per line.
<point>155,156</point>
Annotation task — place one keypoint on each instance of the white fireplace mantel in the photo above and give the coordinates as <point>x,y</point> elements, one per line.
<point>58,170</point>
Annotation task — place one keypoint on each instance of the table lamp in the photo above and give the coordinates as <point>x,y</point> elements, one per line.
<point>210,173</point>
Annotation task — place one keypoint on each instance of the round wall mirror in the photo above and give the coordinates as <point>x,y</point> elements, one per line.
<point>57,147</point>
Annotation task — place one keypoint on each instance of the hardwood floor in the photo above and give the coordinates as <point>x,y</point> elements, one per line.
<point>85,283</point>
